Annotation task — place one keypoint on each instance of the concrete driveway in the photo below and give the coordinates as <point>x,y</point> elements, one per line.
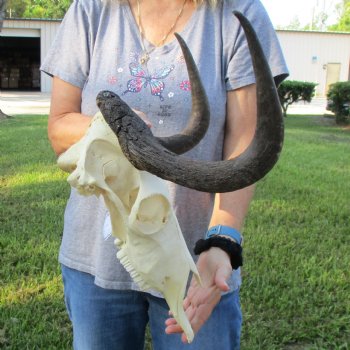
<point>316,107</point>
<point>14,102</point>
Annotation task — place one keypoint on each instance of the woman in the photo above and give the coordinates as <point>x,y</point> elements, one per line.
<point>129,47</point>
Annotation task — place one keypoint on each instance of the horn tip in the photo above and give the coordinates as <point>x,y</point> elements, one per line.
<point>240,16</point>
<point>104,96</point>
<point>179,38</point>
<point>237,13</point>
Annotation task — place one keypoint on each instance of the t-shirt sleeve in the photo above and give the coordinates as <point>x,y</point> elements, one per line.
<point>69,56</point>
<point>239,70</point>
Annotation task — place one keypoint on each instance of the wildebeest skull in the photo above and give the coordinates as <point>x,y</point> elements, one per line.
<point>151,246</point>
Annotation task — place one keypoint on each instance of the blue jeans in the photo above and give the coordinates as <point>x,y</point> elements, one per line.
<point>105,319</point>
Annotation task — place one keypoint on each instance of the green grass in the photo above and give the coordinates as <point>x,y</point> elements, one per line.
<point>296,279</point>
<point>296,287</point>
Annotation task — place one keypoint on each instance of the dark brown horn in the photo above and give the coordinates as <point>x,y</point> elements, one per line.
<point>145,152</point>
<point>199,121</point>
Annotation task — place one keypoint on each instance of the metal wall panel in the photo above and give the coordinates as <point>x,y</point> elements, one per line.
<point>309,54</point>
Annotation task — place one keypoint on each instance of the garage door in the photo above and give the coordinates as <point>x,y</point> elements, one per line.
<point>20,59</point>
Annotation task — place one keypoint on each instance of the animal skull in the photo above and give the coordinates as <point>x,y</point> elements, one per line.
<point>150,242</point>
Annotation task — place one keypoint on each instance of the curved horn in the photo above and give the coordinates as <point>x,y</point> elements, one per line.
<point>199,121</point>
<point>146,153</point>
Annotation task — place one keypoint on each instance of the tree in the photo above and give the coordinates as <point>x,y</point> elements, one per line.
<point>47,8</point>
<point>291,91</point>
<point>343,24</point>
<point>37,8</point>
<point>16,8</point>
<point>294,24</point>
<point>318,22</point>
<point>3,4</point>
<point>3,115</point>
<point>339,101</point>
<point>2,12</point>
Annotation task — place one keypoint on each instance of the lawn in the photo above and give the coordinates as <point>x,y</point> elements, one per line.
<point>296,286</point>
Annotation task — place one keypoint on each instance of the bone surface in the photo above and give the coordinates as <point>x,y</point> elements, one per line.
<point>148,237</point>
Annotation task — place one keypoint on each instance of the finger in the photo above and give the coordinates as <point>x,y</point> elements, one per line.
<point>184,338</point>
<point>194,294</point>
<point>201,314</point>
<point>222,275</point>
<point>173,329</point>
<point>192,289</point>
<point>200,317</point>
<point>202,295</point>
<point>190,313</point>
<point>170,321</point>
<point>186,303</point>
<point>173,326</point>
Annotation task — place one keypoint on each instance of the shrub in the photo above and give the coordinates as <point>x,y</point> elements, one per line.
<point>291,91</point>
<point>339,101</point>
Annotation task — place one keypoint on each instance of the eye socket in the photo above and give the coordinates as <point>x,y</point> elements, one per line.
<point>152,214</point>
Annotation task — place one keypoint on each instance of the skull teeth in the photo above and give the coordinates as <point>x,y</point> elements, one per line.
<point>124,260</point>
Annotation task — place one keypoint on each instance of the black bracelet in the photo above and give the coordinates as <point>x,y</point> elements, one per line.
<point>233,249</point>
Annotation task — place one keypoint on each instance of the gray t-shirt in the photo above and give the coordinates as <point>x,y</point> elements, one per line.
<point>98,48</point>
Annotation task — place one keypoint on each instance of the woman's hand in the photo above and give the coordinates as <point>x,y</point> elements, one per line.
<point>215,268</point>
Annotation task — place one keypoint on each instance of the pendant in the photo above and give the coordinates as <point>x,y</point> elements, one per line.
<point>144,57</point>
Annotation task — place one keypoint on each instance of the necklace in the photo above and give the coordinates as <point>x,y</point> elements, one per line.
<point>145,56</point>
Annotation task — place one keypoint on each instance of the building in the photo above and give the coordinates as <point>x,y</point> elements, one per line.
<point>23,45</point>
<point>320,57</point>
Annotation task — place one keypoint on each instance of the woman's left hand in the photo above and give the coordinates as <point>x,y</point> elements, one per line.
<point>215,268</point>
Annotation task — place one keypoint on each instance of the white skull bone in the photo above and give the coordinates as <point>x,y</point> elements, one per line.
<point>150,242</point>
